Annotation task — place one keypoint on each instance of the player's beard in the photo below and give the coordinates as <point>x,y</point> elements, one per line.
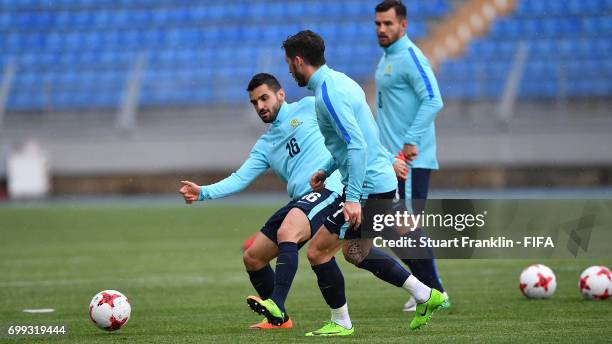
<point>299,78</point>
<point>392,37</point>
<point>273,113</point>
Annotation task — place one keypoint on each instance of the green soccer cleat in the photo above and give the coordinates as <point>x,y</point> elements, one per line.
<point>410,305</point>
<point>425,310</point>
<point>267,308</point>
<point>331,329</point>
<point>446,304</point>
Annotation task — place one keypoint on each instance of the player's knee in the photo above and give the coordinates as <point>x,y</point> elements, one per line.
<point>252,263</point>
<point>287,233</point>
<point>312,255</point>
<point>315,256</point>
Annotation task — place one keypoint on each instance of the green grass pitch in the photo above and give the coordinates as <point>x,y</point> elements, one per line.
<point>182,269</point>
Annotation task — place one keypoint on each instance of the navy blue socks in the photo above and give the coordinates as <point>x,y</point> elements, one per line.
<point>263,281</point>
<point>331,283</point>
<point>286,267</point>
<point>384,267</point>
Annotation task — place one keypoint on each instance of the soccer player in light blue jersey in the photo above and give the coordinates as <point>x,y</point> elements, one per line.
<point>407,102</point>
<point>352,137</point>
<point>293,148</point>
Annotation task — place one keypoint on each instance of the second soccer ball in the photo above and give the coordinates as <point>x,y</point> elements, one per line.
<point>538,282</point>
<point>596,283</point>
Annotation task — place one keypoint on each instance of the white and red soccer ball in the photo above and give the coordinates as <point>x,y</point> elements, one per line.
<point>596,283</point>
<point>538,282</point>
<point>110,310</point>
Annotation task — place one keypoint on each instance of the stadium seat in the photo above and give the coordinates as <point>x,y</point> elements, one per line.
<point>567,40</point>
<point>81,49</point>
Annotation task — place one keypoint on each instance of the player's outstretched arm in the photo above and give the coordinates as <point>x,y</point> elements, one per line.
<point>255,165</point>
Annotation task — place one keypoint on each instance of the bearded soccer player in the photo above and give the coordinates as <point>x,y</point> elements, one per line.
<point>351,136</point>
<point>293,148</point>
<point>407,102</point>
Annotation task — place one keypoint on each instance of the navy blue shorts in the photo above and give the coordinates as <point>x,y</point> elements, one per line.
<point>316,205</point>
<point>419,186</point>
<point>381,203</point>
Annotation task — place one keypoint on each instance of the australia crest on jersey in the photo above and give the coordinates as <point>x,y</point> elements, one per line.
<point>295,123</point>
<point>388,70</point>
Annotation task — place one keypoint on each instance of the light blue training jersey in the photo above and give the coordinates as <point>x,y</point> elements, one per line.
<point>292,147</point>
<point>407,102</point>
<point>351,135</point>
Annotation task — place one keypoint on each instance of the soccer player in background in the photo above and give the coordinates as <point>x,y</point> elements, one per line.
<point>351,136</point>
<point>293,148</point>
<point>407,102</point>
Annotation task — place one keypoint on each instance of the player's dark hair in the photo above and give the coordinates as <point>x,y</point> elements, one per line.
<point>307,45</point>
<point>400,8</point>
<point>264,79</point>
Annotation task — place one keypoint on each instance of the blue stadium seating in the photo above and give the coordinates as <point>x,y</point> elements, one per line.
<point>74,54</point>
<point>569,53</point>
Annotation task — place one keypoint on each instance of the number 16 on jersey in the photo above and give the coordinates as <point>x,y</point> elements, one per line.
<point>292,147</point>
